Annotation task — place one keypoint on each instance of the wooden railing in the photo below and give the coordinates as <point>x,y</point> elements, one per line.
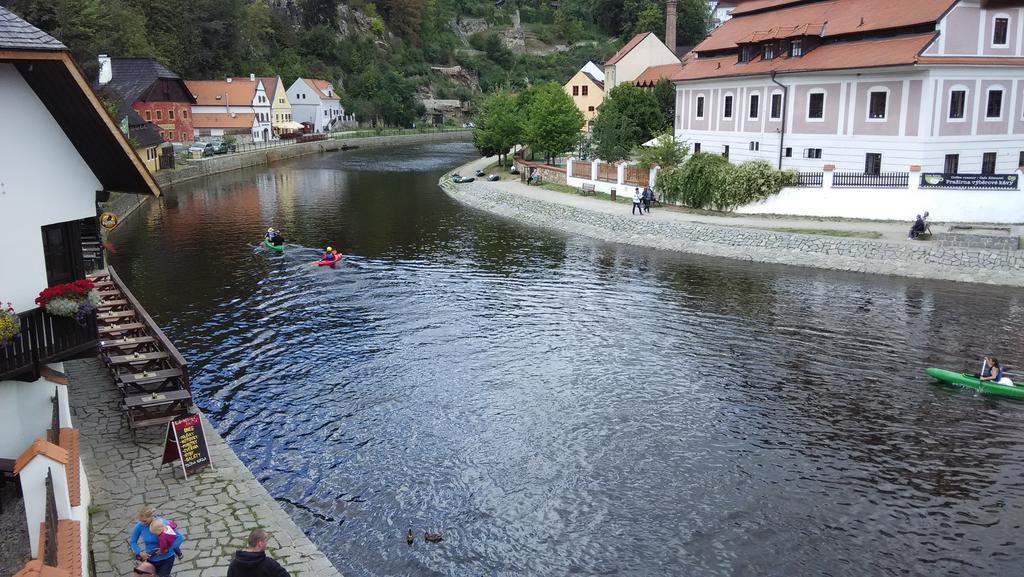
<point>153,329</point>
<point>581,169</point>
<point>637,176</point>
<point>45,338</point>
<point>608,172</point>
<point>883,180</point>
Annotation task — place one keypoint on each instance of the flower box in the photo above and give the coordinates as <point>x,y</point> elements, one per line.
<point>10,325</point>
<point>76,300</point>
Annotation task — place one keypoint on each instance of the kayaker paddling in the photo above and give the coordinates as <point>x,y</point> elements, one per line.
<point>274,237</point>
<point>991,371</point>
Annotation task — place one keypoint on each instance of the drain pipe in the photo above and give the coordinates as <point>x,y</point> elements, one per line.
<point>782,131</point>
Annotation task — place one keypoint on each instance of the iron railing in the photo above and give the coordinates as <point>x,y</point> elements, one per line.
<point>45,338</point>
<point>882,180</point>
<point>809,179</point>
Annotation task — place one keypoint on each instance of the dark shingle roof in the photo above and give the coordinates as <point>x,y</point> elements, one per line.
<point>16,34</point>
<point>131,77</point>
<point>145,134</point>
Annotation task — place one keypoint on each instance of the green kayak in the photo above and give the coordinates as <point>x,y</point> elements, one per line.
<point>273,246</point>
<point>969,380</point>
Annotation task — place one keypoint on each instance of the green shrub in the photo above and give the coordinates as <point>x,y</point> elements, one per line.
<point>790,177</point>
<point>701,180</point>
<point>751,181</point>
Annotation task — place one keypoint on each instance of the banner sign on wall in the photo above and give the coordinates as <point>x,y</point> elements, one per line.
<point>938,180</point>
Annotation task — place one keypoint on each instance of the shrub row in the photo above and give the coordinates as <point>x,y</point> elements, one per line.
<point>710,181</point>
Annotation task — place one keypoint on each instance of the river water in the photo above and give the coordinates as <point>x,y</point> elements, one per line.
<point>557,405</point>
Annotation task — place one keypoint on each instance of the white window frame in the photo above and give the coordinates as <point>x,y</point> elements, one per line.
<point>781,105</point>
<point>752,109</point>
<point>798,43</point>
<point>992,38</point>
<point>1002,104</point>
<point>700,106</point>
<point>867,109</point>
<point>949,102</point>
<point>732,111</point>
<point>824,104</point>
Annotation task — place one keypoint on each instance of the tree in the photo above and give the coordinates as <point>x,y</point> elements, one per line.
<point>665,94</point>
<point>553,123</point>
<point>498,126</point>
<point>650,19</point>
<point>629,117</point>
<point>667,152</point>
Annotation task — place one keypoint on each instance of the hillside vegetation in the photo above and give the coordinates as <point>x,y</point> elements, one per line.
<point>379,53</point>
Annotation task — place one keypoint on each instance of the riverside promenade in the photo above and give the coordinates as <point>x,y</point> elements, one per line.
<point>753,238</point>
<point>215,509</point>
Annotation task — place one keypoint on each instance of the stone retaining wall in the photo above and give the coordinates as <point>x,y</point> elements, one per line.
<point>848,254</point>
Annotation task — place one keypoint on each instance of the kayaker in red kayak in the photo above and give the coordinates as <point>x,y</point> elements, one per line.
<point>330,255</point>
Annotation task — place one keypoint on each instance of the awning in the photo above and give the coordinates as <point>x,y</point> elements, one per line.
<point>288,125</point>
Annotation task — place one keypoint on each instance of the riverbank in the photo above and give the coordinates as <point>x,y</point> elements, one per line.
<point>216,508</point>
<point>758,239</point>
<point>124,205</point>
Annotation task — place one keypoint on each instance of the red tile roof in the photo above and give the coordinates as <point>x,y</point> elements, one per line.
<point>859,54</point>
<point>238,92</point>
<point>222,120</point>
<point>837,16</point>
<point>627,48</point>
<point>322,86</point>
<point>269,84</point>
<point>69,441</point>
<point>35,568</point>
<point>652,75</point>
<point>40,447</point>
<point>755,5</point>
<point>69,547</point>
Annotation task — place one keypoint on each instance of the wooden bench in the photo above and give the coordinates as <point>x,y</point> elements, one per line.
<point>587,189</point>
<point>156,408</point>
<point>118,329</point>
<point>115,316</point>
<point>149,381</point>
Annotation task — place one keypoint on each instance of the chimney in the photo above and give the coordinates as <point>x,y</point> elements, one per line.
<point>228,80</point>
<point>252,77</point>
<point>106,71</point>
<point>670,25</point>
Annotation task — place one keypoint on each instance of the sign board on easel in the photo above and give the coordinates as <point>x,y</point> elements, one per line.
<point>186,442</point>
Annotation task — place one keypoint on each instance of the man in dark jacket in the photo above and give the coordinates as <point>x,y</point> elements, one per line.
<point>253,561</point>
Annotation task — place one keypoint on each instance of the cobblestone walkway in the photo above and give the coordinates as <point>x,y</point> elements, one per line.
<point>215,509</point>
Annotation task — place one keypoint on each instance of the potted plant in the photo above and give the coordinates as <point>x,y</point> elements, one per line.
<point>10,326</point>
<point>76,300</point>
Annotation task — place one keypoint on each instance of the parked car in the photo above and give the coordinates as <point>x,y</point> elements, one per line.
<point>201,149</point>
<point>468,125</point>
<point>223,148</point>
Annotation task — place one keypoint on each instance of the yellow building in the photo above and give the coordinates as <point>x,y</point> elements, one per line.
<point>280,108</point>
<point>586,88</point>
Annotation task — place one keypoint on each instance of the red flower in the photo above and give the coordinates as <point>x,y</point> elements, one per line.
<point>74,289</point>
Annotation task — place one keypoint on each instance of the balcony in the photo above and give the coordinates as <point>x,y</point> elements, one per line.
<point>45,338</point>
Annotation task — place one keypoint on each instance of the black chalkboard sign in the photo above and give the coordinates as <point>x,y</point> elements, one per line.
<point>186,442</point>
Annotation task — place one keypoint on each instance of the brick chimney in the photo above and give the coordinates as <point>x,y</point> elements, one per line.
<point>670,25</point>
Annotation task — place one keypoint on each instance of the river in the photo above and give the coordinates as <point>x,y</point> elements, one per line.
<point>558,405</point>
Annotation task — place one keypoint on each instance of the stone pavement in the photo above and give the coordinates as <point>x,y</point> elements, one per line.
<point>745,237</point>
<point>215,508</point>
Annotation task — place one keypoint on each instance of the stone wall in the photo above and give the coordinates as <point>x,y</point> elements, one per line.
<point>848,254</point>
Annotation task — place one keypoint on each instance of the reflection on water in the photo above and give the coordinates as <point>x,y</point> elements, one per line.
<point>557,405</point>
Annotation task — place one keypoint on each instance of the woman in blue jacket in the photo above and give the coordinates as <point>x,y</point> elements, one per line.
<point>149,551</point>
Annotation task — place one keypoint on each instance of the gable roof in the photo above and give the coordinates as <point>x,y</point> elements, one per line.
<point>145,134</point>
<point>240,92</point>
<point>322,86</point>
<point>40,447</point>
<point>654,74</point>
<point>17,34</point>
<point>841,55</point>
<point>132,77</point>
<point>596,71</point>
<point>47,67</point>
<point>827,18</point>
<point>269,85</point>
<point>633,42</point>
<point>599,83</point>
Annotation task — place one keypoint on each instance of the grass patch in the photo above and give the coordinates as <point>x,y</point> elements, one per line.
<point>557,187</point>
<point>830,232</point>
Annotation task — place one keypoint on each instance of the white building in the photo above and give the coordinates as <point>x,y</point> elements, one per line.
<point>49,200</point>
<point>866,87</point>
<point>224,107</point>
<point>643,51</point>
<point>315,102</point>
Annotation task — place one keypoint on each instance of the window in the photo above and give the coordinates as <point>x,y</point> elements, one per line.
<point>789,152</point>
<point>590,109</point>
<point>700,107</point>
<point>725,151</point>
<point>873,163</point>
<point>994,108</point>
<point>586,90</point>
<point>776,106</point>
<point>184,137</point>
<point>696,149</point>
<point>988,163</point>
<point>796,48</point>
<point>755,102</point>
<point>62,252</point>
<point>1020,160</point>
<point>170,114</point>
<point>877,102</point>
<point>769,51</point>
<point>999,28</point>
<point>149,115</point>
<point>280,100</point>
<point>755,145</point>
<point>184,114</point>
<point>159,114</point>
<point>812,153</point>
<point>575,90</point>
<point>746,53</point>
<point>952,164</point>
<point>325,113</point>
<point>727,108</point>
<point>957,100</point>
<point>816,106</point>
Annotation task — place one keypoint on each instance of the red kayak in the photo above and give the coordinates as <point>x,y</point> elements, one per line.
<point>337,259</point>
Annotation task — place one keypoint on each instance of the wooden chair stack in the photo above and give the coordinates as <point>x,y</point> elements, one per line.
<point>150,373</point>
